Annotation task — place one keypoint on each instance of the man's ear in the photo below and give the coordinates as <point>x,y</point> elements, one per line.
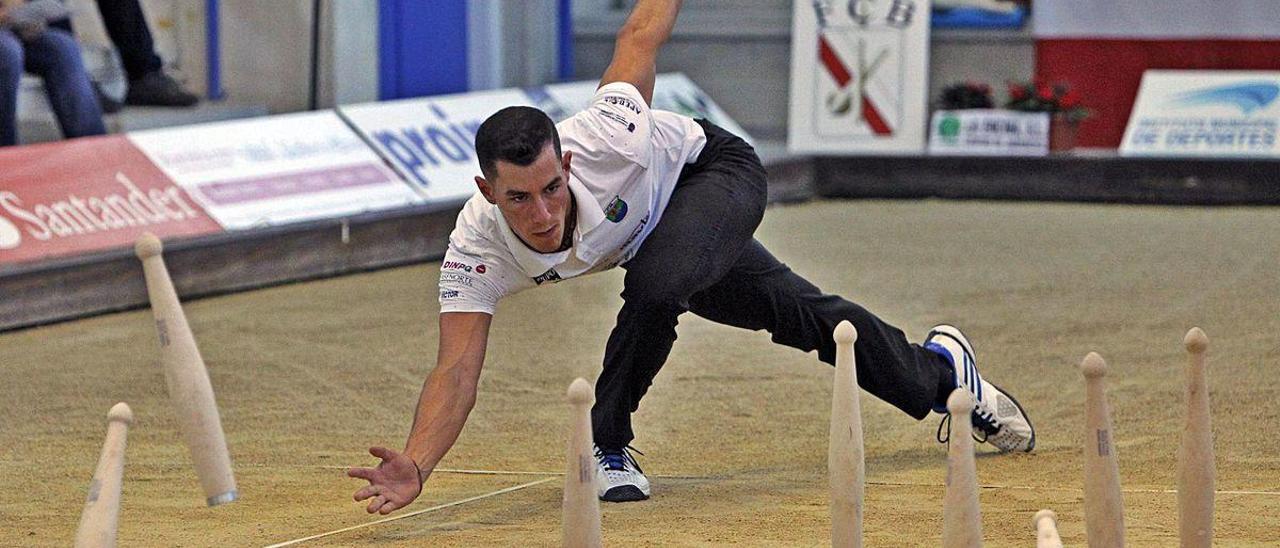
<point>564,161</point>
<point>485,188</point>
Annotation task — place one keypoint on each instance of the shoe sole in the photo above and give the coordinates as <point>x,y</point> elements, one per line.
<point>954,334</point>
<point>1032,444</point>
<point>624,493</point>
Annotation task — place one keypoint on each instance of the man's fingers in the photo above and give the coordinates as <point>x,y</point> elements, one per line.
<point>362,473</point>
<point>367,491</point>
<point>388,508</point>
<point>376,503</point>
<point>382,453</point>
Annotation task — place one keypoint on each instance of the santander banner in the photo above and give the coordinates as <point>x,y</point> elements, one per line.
<point>87,195</point>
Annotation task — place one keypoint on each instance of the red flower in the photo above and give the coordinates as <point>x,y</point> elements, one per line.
<point>1071,99</point>
<point>1017,92</point>
<point>1044,92</point>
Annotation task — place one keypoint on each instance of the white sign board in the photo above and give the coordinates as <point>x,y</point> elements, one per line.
<point>1205,113</point>
<point>992,132</point>
<point>276,170</point>
<point>859,72</point>
<point>431,141</point>
<point>674,92</point>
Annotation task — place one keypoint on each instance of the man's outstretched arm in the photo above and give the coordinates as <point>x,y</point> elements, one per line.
<point>447,397</point>
<point>635,52</point>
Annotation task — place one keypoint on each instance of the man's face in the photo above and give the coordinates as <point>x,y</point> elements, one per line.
<point>534,199</point>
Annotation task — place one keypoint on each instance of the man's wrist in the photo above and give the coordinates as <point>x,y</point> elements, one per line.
<point>422,477</point>
<point>421,468</point>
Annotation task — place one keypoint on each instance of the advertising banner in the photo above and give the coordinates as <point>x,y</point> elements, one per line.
<point>1205,113</point>
<point>88,195</point>
<point>276,170</point>
<point>979,132</point>
<point>859,72</point>
<point>431,141</point>
<point>672,91</point>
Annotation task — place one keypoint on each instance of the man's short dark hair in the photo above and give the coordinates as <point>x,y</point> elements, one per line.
<point>516,135</point>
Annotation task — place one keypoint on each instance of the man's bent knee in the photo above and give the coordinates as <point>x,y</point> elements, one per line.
<point>11,59</point>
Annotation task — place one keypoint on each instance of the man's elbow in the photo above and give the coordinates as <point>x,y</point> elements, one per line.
<point>640,39</point>
<point>457,380</point>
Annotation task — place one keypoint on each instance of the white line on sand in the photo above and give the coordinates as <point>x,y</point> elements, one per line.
<point>415,513</point>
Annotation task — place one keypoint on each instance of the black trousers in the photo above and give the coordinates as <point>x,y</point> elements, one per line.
<point>702,257</point>
<point>127,27</point>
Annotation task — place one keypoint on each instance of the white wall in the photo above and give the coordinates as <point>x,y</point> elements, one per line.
<point>349,53</point>
<point>266,48</point>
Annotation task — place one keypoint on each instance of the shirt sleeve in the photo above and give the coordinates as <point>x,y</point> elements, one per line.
<point>620,120</point>
<point>474,283</point>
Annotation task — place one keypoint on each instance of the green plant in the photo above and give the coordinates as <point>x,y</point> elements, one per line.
<point>966,95</point>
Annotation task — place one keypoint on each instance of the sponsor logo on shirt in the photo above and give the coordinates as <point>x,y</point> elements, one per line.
<point>616,210</point>
<point>623,102</point>
<point>455,265</point>
<point>456,278</point>
<point>636,231</point>
<point>548,276</point>
<point>449,294</point>
<point>617,118</point>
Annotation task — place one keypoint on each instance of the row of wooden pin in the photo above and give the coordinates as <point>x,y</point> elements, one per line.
<point>961,516</point>
<point>191,394</point>
<point>1103,506</point>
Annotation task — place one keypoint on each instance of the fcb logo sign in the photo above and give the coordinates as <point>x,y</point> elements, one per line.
<point>858,81</point>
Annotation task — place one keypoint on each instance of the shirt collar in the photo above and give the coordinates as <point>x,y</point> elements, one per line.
<point>589,213</point>
<point>589,216</point>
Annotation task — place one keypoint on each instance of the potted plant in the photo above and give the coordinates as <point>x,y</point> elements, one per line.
<point>966,95</point>
<point>1061,102</point>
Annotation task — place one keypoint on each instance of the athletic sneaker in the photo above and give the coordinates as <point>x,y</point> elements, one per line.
<point>998,419</point>
<point>621,479</point>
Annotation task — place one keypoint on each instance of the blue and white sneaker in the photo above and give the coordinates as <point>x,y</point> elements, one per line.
<point>998,419</point>
<point>621,479</point>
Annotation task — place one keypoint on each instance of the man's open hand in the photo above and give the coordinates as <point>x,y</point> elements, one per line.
<point>392,485</point>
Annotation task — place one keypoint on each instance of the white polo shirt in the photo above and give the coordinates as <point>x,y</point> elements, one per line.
<point>626,160</point>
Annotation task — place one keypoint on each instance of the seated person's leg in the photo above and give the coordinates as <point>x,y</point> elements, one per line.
<point>127,27</point>
<point>11,62</point>
<point>148,84</point>
<point>108,103</point>
<point>55,57</point>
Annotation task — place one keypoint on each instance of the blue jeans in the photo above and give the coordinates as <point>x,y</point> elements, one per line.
<point>55,57</point>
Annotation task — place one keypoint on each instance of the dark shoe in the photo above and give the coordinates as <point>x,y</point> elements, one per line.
<point>157,89</point>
